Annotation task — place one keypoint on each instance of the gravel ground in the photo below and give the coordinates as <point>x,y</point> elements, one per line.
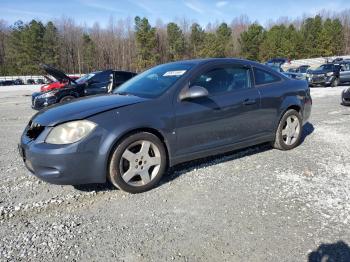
<point>257,204</point>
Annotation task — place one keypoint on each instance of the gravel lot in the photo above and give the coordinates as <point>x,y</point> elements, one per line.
<point>258,204</point>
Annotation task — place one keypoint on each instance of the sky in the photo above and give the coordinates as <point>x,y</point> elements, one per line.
<point>89,11</point>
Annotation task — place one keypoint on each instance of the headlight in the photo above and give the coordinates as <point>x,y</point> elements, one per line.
<point>70,132</point>
<point>308,75</point>
<point>329,74</point>
<point>48,94</point>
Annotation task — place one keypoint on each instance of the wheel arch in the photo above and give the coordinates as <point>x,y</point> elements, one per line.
<point>291,103</point>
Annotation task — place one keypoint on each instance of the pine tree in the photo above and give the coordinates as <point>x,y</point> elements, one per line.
<point>50,45</point>
<point>224,37</point>
<point>146,40</point>
<point>89,51</point>
<point>176,42</point>
<point>250,41</point>
<point>196,40</point>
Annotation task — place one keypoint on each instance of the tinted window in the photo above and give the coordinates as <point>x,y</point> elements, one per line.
<point>101,77</point>
<point>263,77</point>
<point>221,80</point>
<point>122,76</point>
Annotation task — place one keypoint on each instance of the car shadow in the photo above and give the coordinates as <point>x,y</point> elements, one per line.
<point>183,168</point>
<point>338,251</point>
<point>180,169</point>
<point>308,129</point>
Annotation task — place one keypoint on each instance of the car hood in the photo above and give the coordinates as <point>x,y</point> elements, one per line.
<point>83,108</point>
<point>58,74</point>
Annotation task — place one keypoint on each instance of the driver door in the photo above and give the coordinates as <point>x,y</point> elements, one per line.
<point>228,115</point>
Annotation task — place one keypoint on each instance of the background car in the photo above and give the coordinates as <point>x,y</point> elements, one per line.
<point>325,75</point>
<point>344,74</point>
<point>30,82</point>
<point>345,97</point>
<point>18,81</point>
<point>169,114</point>
<point>278,60</point>
<point>40,81</point>
<point>294,75</point>
<point>63,80</point>
<point>94,83</point>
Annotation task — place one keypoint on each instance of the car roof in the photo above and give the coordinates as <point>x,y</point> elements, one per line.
<point>209,60</point>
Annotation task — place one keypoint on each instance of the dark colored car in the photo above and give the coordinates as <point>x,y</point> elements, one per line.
<point>18,81</point>
<point>345,97</point>
<point>94,83</point>
<point>294,75</point>
<point>40,81</point>
<point>278,60</point>
<point>325,75</point>
<point>169,114</point>
<point>7,82</point>
<point>30,82</point>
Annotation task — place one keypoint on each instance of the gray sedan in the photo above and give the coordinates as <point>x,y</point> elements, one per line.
<point>169,114</point>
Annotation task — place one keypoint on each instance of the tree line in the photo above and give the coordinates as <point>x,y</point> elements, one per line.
<point>134,44</point>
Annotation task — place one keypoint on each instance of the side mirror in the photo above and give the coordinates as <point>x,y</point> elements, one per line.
<point>193,93</point>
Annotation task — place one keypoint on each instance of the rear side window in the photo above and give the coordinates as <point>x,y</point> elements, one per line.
<point>101,77</point>
<point>223,80</point>
<point>263,77</point>
<point>123,76</point>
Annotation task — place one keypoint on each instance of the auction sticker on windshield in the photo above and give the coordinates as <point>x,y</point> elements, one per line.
<point>175,73</point>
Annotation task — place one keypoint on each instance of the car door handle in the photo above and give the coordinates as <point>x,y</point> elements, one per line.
<point>248,102</point>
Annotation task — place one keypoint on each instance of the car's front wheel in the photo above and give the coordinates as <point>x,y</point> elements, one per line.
<point>288,134</point>
<point>137,163</point>
<point>66,99</point>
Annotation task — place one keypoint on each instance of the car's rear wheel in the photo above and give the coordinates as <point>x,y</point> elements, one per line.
<point>137,163</point>
<point>66,99</point>
<point>288,134</point>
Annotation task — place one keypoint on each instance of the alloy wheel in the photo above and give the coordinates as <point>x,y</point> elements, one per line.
<point>291,130</point>
<point>140,163</point>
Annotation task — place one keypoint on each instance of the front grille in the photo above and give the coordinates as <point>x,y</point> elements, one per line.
<point>34,130</point>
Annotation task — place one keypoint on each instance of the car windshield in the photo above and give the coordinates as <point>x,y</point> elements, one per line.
<point>325,67</point>
<point>84,78</point>
<point>155,81</point>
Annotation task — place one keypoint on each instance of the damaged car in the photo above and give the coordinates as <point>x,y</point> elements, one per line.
<point>169,114</point>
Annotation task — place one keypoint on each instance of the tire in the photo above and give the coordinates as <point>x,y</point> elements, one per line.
<point>283,133</point>
<point>137,163</point>
<point>335,82</point>
<point>66,98</point>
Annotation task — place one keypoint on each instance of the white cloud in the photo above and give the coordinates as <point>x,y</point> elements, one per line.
<point>221,3</point>
<point>194,7</point>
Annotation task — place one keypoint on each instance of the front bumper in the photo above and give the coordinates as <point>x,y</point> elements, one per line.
<point>320,79</point>
<point>39,103</point>
<point>72,164</point>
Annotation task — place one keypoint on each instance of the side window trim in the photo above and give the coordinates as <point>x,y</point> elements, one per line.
<point>272,73</point>
<point>228,65</point>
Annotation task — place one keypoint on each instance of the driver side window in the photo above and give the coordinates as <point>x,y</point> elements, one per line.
<point>224,79</point>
